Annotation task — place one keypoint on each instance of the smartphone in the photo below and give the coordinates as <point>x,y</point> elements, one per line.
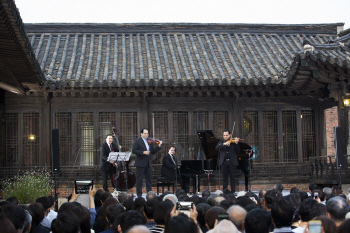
<point>83,186</point>
<point>184,207</point>
<point>222,216</point>
<point>315,195</point>
<point>315,226</point>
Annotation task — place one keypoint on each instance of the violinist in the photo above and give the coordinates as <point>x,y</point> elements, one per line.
<point>143,162</point>
<point>228,148</point>
<point>107,167</point>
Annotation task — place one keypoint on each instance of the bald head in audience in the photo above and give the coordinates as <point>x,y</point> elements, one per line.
<point>139,229</point>
<point>236,215</point>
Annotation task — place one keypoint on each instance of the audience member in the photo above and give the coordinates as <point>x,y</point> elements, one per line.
<point>327,224</point>
<point>180,223</point>
<point>294,190</point>
<point>312,186</point>
<point>7,226</point>
<point>237,215</point>
<point>122,196</point>
<point>138,229</point>
<point>282,213</point>
<point>278,187</point>
<point>101,223</point>
<point>127,220</point>
<point>38,215</point>
<point>150,207</point>
<point>52,213</point>
<point>159,215</point>
<point>320,195</point>
<point>150,195</point>
<point>15,214</point>
<point>303,195</point>
<point>45,201</point>
<point>244,201</point>
<point>205,193</point>
<point>65,222</point>
<point>225,226</point>
<point>211,215</point>
<point>13,200</point>
<point>344,227</point>
<point>337,208</point>
<point>262,193</point>
<point>271,196</point>
<point>128,204</point>
<point>83,216</point>
<point>202,209</point>
<point>112,212</point>
<point>139,204</point>
<point>171,197</point>
<point>257,221</point>
<point>308,210</point>
<point>218,200</point>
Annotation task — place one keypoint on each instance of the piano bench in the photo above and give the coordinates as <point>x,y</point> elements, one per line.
<point>161,182</point>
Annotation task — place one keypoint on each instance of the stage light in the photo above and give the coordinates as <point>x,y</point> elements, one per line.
<point>31,137</point>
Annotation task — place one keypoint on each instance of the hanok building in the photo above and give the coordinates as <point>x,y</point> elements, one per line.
<point>273,83</point>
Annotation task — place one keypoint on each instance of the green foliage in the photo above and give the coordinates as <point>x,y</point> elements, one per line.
<point>28,186</point>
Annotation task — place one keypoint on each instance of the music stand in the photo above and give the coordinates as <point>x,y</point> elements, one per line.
<point>120,157</point>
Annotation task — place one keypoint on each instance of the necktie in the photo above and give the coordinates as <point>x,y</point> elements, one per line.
<point>110,146</point>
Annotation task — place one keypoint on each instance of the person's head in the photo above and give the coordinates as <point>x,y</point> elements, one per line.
<point>128,204</point>
<point>257,221</point>
<point>344,227</point>
<point>66,207</point>
<point>262,193</point>
<point>272,196</point>
<point>122,196</point>
<point>6,225</point>
<point>225,226</point>
<point>210,199</point>
<point>113,211</point>
<point>206,193</point>
<point>226,134</point>
<point>15,214</point>
<point>144,133</point>
<point>65,222</point>
<point>109,138</point>
<point>139,204</point>
<point>170,197</point>
<point>150,195</point>
<point>282,213</point>
<point>180,223</point>
<point>294,190</point>
<point>211,215</point>
<point>13,200</point>
<point>319,193</point>
<point>161,211</point>
<point>303,195</point>
<point>28,220</point>
<point>52,201</point>
<point>172,150</point>
<point>109,201</point>
<point>218,200</point>
<point>37,214</point>
<point>244,201</point>
<point>202,209</point>
<point>278,187</point>
<point>150,207</point>
<point>327,190</point>
<point>309,209</point>
<point>83,216</point>
<point>129,219</point>
<point>337,208</point>
<point>138,229</point>
<point>312,186</point>
<point>327,224</point>
<point>236,215</point>
<point>45,201</point>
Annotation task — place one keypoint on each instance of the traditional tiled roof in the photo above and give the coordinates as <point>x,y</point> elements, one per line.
<point>18,65</point>
<point>124,55</point>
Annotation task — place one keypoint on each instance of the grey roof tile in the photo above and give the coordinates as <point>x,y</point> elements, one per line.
<point>164,58</point>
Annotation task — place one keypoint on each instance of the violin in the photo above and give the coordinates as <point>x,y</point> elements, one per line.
<point>156,141</point>
<point>234,141</point>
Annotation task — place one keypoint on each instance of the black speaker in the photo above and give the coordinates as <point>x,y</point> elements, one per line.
<point>338,146</point>
<point>55,151</point>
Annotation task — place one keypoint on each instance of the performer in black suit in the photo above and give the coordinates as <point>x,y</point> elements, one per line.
<point>107,167</point>
<point>228,159</point>
<point>168,170</point>
<point>143,162</point>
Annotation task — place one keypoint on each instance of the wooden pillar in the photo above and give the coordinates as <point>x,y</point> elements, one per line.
<point>261,135</point>
<point>299,136</point>
<point>45,133</point>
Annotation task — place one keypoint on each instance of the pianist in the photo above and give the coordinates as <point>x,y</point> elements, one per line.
<point>169,168</point>
<point>228,158</point>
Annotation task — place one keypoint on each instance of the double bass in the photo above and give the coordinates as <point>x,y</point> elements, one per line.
<point>123,179</point>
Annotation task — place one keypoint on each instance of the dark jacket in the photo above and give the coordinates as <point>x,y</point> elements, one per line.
<point>168,167</point>
<point>104,152</point>
<point>232,150</point>
<point>138,148</point>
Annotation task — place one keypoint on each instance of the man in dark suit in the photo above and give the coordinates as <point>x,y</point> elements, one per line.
<point>169,165</point>
<point>107,168</point>
<point>143,162</point>
<point>228,159</point>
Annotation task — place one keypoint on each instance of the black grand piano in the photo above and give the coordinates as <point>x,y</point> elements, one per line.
<point>195,168</point>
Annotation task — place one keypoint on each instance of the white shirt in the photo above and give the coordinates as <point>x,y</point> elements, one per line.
<point>51,216</point>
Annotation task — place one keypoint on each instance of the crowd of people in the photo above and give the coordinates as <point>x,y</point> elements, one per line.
<point>221,211</point>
